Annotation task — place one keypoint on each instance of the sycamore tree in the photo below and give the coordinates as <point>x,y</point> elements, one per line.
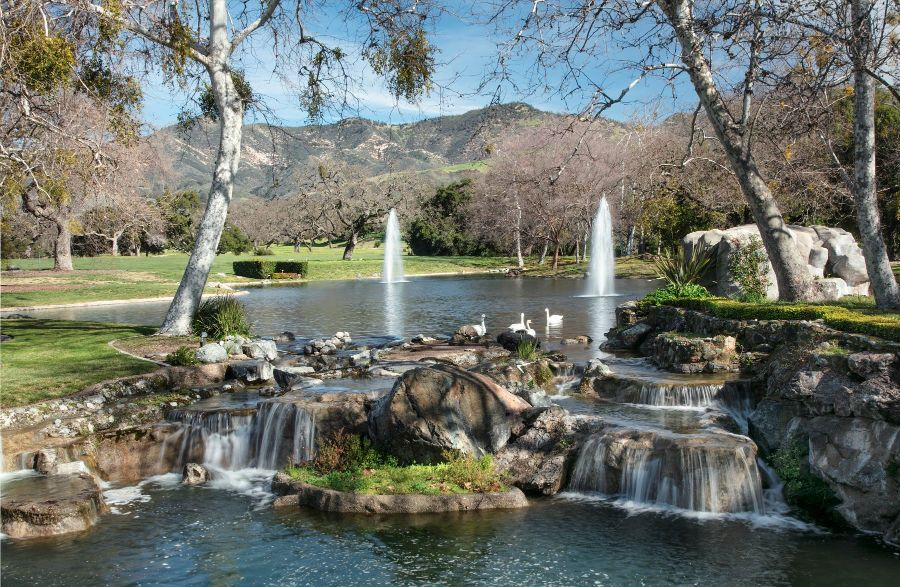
<point>204,48</point>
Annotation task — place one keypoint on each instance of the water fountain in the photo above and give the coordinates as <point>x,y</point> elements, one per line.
<point>393,261</point>
<point>601,269</point>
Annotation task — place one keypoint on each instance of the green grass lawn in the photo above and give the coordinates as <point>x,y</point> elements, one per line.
<point>53,358</point>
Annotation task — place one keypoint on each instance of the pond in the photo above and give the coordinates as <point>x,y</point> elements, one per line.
<point>424,305</point>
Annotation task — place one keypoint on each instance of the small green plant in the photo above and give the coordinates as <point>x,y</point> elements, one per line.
<point>221,316</point>
<point>690,291</point>
<point>801,487</point>
<point>474,474</point>
<point>748,267</point>
<point>527,350</point>
<point>543,374</point>
<point>263,251</point>
<point>183,356</point>
<point>679,270</point>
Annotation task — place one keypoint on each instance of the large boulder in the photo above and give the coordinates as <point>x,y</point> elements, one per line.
<point>211,353</point>
<point>831,254</point>
<point>261,349</point>
<point>251,371</point>
<point>694,354</point>
<point>194,474</point>
<point>440,408</point>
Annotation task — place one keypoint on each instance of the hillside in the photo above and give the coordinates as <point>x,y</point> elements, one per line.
<point>276,158</point>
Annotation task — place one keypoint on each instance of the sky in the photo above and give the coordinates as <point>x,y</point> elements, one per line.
<point>467,51</point>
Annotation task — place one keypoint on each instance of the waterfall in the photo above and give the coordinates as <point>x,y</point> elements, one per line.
<point>224,440</point>
<point>691,396</point>
<point>392,271</point>
<point>717,477</point>
<point>601,269</point>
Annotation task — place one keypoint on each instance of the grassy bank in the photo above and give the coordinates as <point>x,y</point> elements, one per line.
<point>52,358</point>
<point>107,278</point>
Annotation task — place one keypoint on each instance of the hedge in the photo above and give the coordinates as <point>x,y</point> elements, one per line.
<point>263,268</point>
<point>883,324</point>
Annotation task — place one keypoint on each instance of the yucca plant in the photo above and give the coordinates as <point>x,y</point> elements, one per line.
<point>679,270</point>
<point>221,316</point>
<point>527,350</point>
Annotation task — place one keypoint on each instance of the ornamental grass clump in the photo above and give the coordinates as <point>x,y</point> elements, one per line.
<point>184,356</point>
<point>527,350</point>
<point>680,270</point>
<point>221,316</point>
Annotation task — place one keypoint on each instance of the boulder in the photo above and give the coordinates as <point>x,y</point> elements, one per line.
<point>632,336</point>
<point>511,340</point>
<point>250,371</point>
<point>261,349</point>
<point>194,474</point>
<point>467,331</point>
<point>683,354</point>
<point>50,506</point>
<point>288,376</point>
<point>285,337</point>
<point>211,353</point>
<point>869,364</point>
<point>440,408</point>
<point>45,461</point>
<point>597,368</point>
<point>536,461</point>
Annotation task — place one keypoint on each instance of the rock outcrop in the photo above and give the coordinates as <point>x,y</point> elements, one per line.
<point>440,408</point>
<point>694,354</point>
<point>832,255</point>
<point>51,505</point>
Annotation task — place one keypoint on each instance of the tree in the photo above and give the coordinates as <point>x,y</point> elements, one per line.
<point>233,241</point>
<point>180,213</point>
<point>442,226</point>
<point>672,37</point>
<point>259,219</point>
<point>207,40</point>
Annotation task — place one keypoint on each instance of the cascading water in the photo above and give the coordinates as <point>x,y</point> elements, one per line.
<point>687,396</point>
<point>601,269</point>
<point>225,440</point>
<point>706,475</point>
<point>392,271</point>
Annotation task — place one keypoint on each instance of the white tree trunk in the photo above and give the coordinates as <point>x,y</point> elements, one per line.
<point>190,290</point>
<point>794,280</point>
<point>544,253</point>
<point>62,251</point>
<point>883,282</point>
<point>519,258</point>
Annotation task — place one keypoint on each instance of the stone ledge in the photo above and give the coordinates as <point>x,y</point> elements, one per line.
<point>297,493</point>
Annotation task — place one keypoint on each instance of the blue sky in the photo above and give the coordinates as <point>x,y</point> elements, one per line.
<point>467,51</point>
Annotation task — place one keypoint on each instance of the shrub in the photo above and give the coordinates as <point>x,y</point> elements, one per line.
<point>883,324</point>
<point>233,241</point>
<point>801,487</point>
<point>182,356</point>
<point>691,291</point>
<point>748,266</point>
<point>347,452</point>
<point>527,350</point>
<point>263,251</point>
<point>265,269</point>
<point>680,270</point>
<point>221,316</point>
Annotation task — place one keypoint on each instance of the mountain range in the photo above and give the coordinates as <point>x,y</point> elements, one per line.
<point>274,159</point>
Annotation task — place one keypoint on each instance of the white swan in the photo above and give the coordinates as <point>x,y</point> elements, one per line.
<point>480,329</point>
<point>553,318</point>
<point>520,325</point>
<point>529,330</point>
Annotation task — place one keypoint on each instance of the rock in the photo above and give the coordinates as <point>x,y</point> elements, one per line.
<point>45,461</point>
<point>261,349</point>
<point>682,354</point>
<point>297,493</point>
<point>868,364</point>
<point>597,368</point>
<point>194,474</point>
<point>211,353</point>
<point>584,339</point>
<point>5,337</point>
<point>50,506</point>
<point>233,346</point>
<point>250,371</point>
<point>511,340</point>
<point>535,461</point>
<point>467,330</point>
<point>626,314</point>
<point>851,268</point>
<point>361,359</point>
<point>422,339</point>
<point>439,408</point>
<point>829,252</point>
<point>633,336</point>
<point>287,377</point>
<point>285,337</point>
